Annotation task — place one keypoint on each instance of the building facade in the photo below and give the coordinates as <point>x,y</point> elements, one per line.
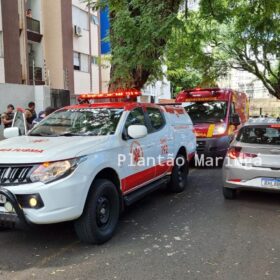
<point>244,82</point>
<point>55,43</point>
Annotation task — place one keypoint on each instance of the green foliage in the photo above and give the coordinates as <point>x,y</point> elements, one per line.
<point>190,58</point>
<point>138,35</point>
<point>249,36</point>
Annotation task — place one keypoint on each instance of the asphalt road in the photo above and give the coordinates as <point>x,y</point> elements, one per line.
<point>194,235</point>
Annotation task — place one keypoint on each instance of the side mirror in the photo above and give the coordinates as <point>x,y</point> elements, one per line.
<point>11,132</point>
<point>137,131</point>
<point>235,120</point>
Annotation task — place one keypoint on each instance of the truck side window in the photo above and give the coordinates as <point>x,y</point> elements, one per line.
<point>135,117</point>
<point>156,118</point>
<point>232,109</point>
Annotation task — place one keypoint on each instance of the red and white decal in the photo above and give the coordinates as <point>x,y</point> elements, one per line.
<point>22,150</point>
<point>137,152</point>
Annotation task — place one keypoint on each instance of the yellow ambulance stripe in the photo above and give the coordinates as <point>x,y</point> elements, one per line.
<point>210,130</point>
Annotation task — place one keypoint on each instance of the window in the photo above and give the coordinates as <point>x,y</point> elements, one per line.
<point>81,62</point>
<point>95,20</point>
<point>210,111</point>
<point>94,60</point>
<point>266,135</point>
<point>80,18</point>
<point>136,117</point>
<point>77,61</point>
<point>80,122</point>
<point>1,44</point>
<point>156,118</point>
<point>84,62</point>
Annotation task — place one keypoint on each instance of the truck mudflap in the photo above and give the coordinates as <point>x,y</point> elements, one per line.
<point>13,217</point>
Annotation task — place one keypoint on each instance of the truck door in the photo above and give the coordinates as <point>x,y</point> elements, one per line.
<point>164,141</point>
<point>19,121</point>
<point>138,170</point>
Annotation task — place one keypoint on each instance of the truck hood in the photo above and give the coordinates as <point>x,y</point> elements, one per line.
<point>32,149</point>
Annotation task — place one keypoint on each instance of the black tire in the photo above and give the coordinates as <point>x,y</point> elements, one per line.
<point>229,193</point>
<point>179,175</point>
<point>101,213</point>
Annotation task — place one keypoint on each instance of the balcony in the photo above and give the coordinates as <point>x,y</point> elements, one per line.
<point>33,30</point>
<point>36,76</point>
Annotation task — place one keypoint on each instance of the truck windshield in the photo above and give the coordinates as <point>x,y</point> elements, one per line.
<point>79,122</point>
<point>204,112</point>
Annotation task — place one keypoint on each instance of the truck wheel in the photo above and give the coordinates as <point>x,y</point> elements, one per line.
<point>101,214</point>
<point>179,176</point>
<point>229,193</point>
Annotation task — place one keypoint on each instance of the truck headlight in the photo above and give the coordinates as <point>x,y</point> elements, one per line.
<point>51,171</point>
<point>220,129</point>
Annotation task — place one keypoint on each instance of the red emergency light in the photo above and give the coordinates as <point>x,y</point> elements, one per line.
<point>116,94</point>
<point>203,93</point>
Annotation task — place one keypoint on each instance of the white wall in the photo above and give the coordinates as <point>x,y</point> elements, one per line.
<point>21,95</point>
<point>2,71</point>
<point>82,82</point>
<point>18,95</point>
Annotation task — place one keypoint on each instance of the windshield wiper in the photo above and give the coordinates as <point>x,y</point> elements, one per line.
<point>69,134</point>
<point>42,135</point>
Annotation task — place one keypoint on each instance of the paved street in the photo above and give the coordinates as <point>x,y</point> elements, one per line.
<point>194,235</point>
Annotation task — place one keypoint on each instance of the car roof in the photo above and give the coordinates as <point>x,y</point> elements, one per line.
<point>125,105</point>
<point>262,121</point>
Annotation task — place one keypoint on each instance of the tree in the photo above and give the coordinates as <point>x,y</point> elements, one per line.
<point>249,37</point>
<point>139,31</point>
<point>190,59</point>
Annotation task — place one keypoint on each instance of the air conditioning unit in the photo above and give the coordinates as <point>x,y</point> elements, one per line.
<point>78,31</point>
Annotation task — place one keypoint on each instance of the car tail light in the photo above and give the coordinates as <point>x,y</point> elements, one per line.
<point>235,152</point>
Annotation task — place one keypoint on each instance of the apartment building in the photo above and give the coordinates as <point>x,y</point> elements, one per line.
<point>55,43</point>
<point>86,48</point>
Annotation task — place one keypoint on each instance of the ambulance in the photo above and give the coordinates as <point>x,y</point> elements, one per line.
<point>85,163</point>
<point>217,114</point>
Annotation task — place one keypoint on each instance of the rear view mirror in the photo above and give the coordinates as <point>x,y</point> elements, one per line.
<point>235,120</point>
<point>11,132</point>
<point>137,131</point>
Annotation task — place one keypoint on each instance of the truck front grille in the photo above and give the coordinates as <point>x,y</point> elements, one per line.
<point>200,146</point>
<point>14,175</point>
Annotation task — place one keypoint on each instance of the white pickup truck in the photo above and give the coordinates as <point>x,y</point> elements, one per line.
<point>85,163</point>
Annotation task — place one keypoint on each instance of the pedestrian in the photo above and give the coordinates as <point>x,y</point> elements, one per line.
<point>49,110</point>
<point>43,114</point>
<point>8,116</point>
<point>29,13</point>
<point>30,114</point>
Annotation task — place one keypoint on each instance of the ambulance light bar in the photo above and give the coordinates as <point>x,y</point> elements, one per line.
<point>117,94</point>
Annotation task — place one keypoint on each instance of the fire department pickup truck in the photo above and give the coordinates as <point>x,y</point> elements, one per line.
<point>85,163</point>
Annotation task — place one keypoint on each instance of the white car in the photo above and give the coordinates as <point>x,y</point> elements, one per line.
<point>84,163</point>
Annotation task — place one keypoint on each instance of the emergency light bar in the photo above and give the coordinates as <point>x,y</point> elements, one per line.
<point>118,94</point>
<point>203,93</point>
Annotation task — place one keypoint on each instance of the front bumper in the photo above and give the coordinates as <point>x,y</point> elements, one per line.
<point>63,200</point>
<point>16,218</point>
<point>213,147</point>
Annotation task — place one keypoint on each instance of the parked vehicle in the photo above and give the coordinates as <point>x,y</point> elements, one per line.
<point>253,159</point>
<point>85,163</point>
<point>217,114</point>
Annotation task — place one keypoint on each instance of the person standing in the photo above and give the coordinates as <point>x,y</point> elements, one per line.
<point>8,116</point>
<point>30,114</point>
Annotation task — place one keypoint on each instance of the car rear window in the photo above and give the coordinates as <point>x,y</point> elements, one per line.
<point>264,134</point>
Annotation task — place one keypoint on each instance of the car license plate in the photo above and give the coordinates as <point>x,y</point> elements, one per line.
<point>270,183</point>
<point>3,199</point>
